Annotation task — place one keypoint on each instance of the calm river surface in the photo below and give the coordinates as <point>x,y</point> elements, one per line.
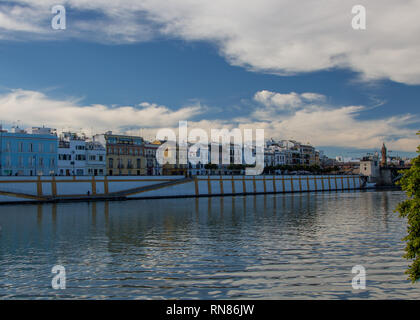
<point>256,247</point>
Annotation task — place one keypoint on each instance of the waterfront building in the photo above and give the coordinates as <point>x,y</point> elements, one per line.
<point>268,157</point>
<point>95,158</point>
<point>291,152</point>
<point>124,154</point>
<point>369,167</point>
<point>197,150</point>
<point>180,167</point>
<point>153,167</point>
<point>72,154</point>
<point>28,154</point>
<point>279,155</point>
<point>308,154</point>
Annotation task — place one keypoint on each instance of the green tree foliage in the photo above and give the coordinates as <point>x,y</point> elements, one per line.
<point>211,166</point>
<point>236,167</point>
<point>410,209</point>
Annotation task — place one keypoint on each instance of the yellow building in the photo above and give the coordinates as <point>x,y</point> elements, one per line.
<point>124,154</point>
<point>172,169</point>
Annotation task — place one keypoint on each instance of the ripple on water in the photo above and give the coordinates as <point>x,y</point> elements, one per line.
<point>258,247</point>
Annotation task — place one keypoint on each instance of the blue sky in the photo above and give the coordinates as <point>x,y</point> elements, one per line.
<point>198,77</point>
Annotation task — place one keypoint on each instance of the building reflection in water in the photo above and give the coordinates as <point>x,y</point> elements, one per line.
<point>136,223</point>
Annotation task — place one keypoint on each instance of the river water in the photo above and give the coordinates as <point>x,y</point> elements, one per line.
<point>284,246</point>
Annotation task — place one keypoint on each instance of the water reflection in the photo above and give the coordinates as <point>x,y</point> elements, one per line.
<point>264,246</point>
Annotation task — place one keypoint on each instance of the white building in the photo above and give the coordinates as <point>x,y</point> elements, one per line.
<point>95,158</point>
<point>369,167</point>
<point>79,156</point>
<point>195,152</point>
<point>71,155</point>
<point>152,165</point>
<point>291,152</point>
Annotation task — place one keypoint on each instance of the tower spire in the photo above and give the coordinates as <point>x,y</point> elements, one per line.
<point>384,156</point>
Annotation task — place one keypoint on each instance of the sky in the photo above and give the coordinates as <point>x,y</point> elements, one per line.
<point>298,70</point>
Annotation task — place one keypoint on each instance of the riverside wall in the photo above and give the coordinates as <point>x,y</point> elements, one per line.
<point>57,188</point>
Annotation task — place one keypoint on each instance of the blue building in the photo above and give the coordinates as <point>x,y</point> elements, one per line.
<point>28,154</point>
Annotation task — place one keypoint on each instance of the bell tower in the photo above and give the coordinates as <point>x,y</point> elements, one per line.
<point>383,159</point>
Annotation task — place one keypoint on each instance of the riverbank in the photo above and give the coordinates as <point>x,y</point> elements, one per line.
<point>83,188</point>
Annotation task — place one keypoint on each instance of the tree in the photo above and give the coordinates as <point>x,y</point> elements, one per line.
<point>210,166</point>
<point>236,166</point>
<point>410,209</point>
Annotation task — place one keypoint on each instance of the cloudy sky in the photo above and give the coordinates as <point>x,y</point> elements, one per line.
<point>295,68</point>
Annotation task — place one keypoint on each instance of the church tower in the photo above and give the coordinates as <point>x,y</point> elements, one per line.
<point>383,159</point>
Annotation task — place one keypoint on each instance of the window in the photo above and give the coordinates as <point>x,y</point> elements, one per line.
<point>51,147</point>
<point>20,146</point>
<point>101,158</point>
<point>41,148</point>
<point>41,162</point>
<point>138,163</point>
<point>65,157</point>
<point>20,161</point>
<point>31,147</point>
<point>110,163</point>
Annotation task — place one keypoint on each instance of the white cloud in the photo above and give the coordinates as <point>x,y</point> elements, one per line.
<point>278,36</point>
<point>313,121</point>
<point>321,124</point>
<point>280,103</point>
<point>286,101</point>
<point>278,100</point>
<point>34,108</point>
